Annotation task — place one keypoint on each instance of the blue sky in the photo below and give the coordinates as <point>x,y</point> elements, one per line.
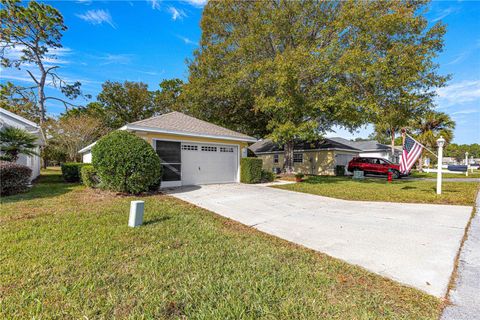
<point>150,41</point>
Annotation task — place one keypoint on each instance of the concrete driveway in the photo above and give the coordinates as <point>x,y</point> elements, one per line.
<point>414,244</point>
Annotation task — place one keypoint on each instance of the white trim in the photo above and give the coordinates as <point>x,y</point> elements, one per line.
<point>87,148</point>
<point>19,118</point>
<point>180,133</point>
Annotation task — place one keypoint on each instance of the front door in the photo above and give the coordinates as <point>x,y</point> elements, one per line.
<point>170,154</point>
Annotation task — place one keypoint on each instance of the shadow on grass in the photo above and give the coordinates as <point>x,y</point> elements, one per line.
<point>332,179</point>
<point>46,186</point>
<point>156,220</point>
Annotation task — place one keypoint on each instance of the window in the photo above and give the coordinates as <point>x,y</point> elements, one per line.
<point>275,158</point>
<point>209,148</point>
<point>297,157</point>
<point>189,147</point>
<point>226,149</point>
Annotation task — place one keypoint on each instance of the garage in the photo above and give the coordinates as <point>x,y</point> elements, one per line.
<point>192,151</point>
<point>187,163</point>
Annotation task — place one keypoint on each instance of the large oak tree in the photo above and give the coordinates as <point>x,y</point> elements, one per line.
<point>293,69</point>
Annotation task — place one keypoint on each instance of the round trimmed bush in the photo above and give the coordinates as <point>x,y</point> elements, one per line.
<point>126,163</point>
<point>14,178</point>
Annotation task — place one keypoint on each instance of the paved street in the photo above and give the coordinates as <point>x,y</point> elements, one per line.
<point>465,296</point>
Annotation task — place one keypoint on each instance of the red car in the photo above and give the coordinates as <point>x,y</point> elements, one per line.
<point>374,165</point>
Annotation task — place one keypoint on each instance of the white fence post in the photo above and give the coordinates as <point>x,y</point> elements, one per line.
<point>440,143</point>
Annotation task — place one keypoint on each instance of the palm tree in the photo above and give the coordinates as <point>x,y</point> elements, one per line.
<point>16,141</point>
<point>430,127</point>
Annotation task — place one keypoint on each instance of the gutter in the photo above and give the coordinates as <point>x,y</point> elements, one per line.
<point>181,133</point>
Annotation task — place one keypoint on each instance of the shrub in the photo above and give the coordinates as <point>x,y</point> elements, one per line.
<point>267,176</point>
<point>299,175</point>
<point>89,176</point>
<point>14,178</point>
<point>71,171</point>
<point>126,163</point>
<point>250,170</point>
<point>339,170</point>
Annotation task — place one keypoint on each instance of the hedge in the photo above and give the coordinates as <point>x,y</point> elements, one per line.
<point>250,170</point>
<point>267,176</point>
<point>126,163</point>
<point>339,170</point>
<point>71,171</point>
<point>89,176</point>
<point>14,178</point>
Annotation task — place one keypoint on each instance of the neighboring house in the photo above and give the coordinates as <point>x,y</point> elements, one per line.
<point>318,157</point>
<point>10,119</point>
<point>192,151</point>
<point>373,149</point>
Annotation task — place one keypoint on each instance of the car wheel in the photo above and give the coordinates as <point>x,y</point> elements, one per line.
<point>396,174</point>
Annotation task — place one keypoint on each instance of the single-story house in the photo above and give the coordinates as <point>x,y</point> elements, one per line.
<point>373,149</point>
<point>10,119</point>
<point>192,151</point>
<point>318,157</point>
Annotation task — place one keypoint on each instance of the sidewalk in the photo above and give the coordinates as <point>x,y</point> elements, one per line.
<point>465,296</point>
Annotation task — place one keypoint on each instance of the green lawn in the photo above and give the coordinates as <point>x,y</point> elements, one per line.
<point>378,189</point>
<point>475,174</point>
<point>66,252</point>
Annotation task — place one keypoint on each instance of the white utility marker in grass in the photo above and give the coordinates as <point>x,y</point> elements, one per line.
<point>136,213</point>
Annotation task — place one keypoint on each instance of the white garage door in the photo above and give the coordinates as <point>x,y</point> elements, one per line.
<point>208,163</point>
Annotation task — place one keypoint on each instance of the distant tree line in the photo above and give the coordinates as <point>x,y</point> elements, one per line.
<point>458,150</point>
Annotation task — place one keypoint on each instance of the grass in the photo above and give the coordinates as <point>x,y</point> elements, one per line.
<point>474,175</point>
<point>66,252</point>
<point>375,189</point>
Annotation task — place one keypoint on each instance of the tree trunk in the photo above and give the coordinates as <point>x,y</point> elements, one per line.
<point>392,145</point>
<point>41,99</point>
<point>420,162</point>
<point>288,165</point>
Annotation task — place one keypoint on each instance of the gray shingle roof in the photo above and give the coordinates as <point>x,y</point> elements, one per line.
<point>268,145</point>
<point>367,145</point>
<point>177,122</point>
<point>325,143</point>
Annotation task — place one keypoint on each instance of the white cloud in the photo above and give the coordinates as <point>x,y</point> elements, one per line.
<point>459,93</point>
<point>187,40</point>
<point>197,3</point>
<point>97,17</point>
<point>116,58</point>
<point>466,111</point>
<point>5,76</point>
<point>155,4</point>
<point>177,13</point>
<point>53,56</point>
<point>461,57</point>
<point>445,13</point>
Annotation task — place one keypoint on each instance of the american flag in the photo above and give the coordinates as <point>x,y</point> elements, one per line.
<point>411,151</point>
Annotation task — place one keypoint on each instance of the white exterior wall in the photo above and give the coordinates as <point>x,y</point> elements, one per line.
<point>87,157</point>
<point>9,119</point>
